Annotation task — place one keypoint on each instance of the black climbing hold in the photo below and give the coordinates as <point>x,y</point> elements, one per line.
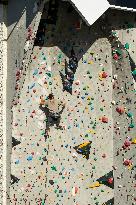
<point>109,202</point>
<point>84,149</point>
<point>15,142</point>
<point>51,182</point>
<point>107,180</point>
<point>14,179</point>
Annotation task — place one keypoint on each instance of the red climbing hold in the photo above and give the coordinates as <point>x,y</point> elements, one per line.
<point>127,162</point>
<point>127,144</point>
<point>104,75</point>
<point>110,180</point>
<point>120,110</point>
<point>115,56</point>
<point>104,119</point>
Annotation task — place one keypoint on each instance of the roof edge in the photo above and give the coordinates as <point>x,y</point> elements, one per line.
<point>122,8</point>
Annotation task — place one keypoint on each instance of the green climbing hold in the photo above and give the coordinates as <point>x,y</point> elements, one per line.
<point>134,72</point>
<point>59,61</point>
<point>130,114</point>
<point>43,132</point>
<point>127,46</point>
<point>101,109</point>
<point>60,55</point>
<point>114,33</point>
<point>119,52</point>
<point>90,103</point>
<point>49,74</point>
<point>53,168</point>
<point>43,202</point>
<point>45,150</point>
<point>131,125</point>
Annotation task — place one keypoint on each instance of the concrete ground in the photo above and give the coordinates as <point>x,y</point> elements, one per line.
<point>50,171</point>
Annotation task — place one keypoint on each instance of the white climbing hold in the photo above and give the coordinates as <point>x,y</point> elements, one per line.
<point>26,46</point>
<point>74,191</point>
<point>113,102</point>
<point>115,77</point>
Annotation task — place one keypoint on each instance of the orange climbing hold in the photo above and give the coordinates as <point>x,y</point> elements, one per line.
<point>42,100</point>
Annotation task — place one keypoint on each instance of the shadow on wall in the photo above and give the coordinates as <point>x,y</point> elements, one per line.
<point>65,29</point>
<point>16,8</point>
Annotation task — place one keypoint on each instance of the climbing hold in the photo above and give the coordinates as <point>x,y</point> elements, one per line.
<point>130,114</point>
<point>134,141</point>
<point>107,180</point>
<point>127,144</point>
<point>104,119</point>
<point>127,46</point>
<point>109,202</point>
<point>120,110</point>
<point>35,72</point>
<point>115,56</point>
<point>14,179</point>
<point>30,158</point>
<point>94,185</point>
<point>84,149</point>
<point>74,191</point>
<point>15,142</point>
<point>134,72</point>
<point>131,125</point>
<point>54,168</point>
<point>127,162</point>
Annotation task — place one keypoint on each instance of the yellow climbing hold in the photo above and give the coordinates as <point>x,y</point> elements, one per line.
<point>90,62</point>
<point>134,141</point>
<point>94,185</point>
<point>92,131</point>
<point>84,144</point>
<point>130,166</point>
<point>89,98</point>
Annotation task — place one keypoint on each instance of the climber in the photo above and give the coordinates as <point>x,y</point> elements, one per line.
<point>53,110</point>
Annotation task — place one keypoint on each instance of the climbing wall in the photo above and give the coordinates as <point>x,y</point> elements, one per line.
<point>124,110</point>
<point>75,165</point>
